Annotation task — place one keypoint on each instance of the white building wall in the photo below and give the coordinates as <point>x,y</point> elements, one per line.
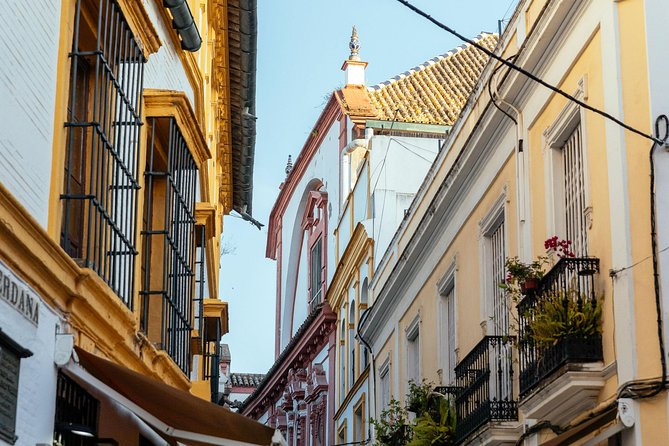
<point>398,166</point>
<point>164,69</point>
<point>37,377</point>
<point>323,167</point>
<point>657,44</point>
<point>29,33</point>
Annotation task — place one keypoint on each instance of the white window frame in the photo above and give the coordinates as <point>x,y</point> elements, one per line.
<point>448,325</point>
<point>413,340</point>
<point>555,137</point>
<point>384,391</point>
<point>496,215</point>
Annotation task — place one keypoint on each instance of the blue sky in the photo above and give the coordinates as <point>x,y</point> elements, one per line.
<point>301,47</point>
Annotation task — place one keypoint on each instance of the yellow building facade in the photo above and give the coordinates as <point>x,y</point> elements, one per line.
<point>123,150</point>
<point>524,165</point>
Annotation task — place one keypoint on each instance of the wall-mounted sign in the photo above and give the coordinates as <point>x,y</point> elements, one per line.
<point>19,294</point>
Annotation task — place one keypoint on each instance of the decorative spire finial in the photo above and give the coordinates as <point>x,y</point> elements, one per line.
<point>354,45</point>
<point>289,166</point>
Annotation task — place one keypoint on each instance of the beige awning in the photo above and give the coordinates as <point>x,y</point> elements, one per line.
<point>173,413</point>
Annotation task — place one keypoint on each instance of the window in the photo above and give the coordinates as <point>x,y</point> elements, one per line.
<point>76,409</point>
<point>315,274</point>
<point>447,334</point>
<point>413,352</point>
<point>200,277</point>
<point>341,433</point>
<point>384,385</point>
<point>359,422</point>
<point>499,316</point>
<point>101,161</point>
<point>351,342</point>
<point>342,360</point>
<point>364,301</point>
<point>10,367</point>
<point>169,241</point>
<point>573,193</point>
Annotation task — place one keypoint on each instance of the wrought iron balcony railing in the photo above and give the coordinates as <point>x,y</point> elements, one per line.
<point>484,390</point>
<point>565,296</point>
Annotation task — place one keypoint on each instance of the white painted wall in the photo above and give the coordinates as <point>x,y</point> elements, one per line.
<point>657,44</point>
<point>164,69</point>
<point>324,167</point>
<point>37,378</point>
<point>398,166</point>
<point>29,33</point>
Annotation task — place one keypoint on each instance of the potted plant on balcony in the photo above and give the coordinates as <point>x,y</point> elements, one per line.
<point>432,429</point>
<point>417,398</point>
<point>392,428</point>
<point>522,278</point>
<point>564,315</point>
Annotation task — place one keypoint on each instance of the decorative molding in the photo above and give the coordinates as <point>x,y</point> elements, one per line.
<point>327,118</point>
<point>101,323</point>
<point>141,25</point>
<point>358,249</point>
<point>171,103</point>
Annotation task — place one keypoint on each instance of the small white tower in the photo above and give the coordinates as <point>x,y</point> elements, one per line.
<point>353,66</point>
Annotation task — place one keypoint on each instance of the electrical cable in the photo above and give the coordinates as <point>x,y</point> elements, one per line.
<point>415,153</point>
<point>527,73</point>
<point>637,388</point>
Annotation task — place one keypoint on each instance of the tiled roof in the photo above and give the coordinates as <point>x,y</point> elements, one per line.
<point>225,353</point>
<point>436,91</point>
<point>246,379</point>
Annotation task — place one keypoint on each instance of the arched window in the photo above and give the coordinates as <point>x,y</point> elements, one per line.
<point>364,300</point>
<point>351,343</point>
<point>342,359</point>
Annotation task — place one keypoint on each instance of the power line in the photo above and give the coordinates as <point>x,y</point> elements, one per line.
<point>412,151</point>
<point>528,74</point>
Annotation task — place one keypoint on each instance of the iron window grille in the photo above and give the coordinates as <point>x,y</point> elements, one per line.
<point>211,363</point>
<point>574,193</point>
<point>169,241</point>
<point>102,157</point>
<point>200,277</point>
<point>76,411</point>
<point>572,280</point>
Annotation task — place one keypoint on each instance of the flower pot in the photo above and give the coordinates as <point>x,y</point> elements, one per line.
<point>530,285</point>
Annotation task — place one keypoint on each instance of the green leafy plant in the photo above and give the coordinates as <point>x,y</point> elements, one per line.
<point>557,316</point>
<point>418,395</point>
<point>429,430</point>
<point>520,275</point>
<point>392,428</point>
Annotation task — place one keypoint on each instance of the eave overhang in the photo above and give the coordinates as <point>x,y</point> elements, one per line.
<point>242,51</point>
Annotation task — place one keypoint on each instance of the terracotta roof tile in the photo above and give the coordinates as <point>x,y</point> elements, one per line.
<point>246,379</point>
<point>434,92</point>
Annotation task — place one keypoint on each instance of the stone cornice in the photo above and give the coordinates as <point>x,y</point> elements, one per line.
<point>141,25</point>
<point>306,343</point>
<point>171,103</point>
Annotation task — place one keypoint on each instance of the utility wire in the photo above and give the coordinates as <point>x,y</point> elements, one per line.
<point>412,151</point>
<point>528,74</point>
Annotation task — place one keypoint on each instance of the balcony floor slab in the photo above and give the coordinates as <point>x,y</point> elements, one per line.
<point>570,391</point>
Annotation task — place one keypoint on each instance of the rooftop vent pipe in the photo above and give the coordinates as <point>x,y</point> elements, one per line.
<point>182,21</point>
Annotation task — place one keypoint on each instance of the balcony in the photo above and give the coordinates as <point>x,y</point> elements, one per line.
<point>484,391</point>
<point>557,364</point>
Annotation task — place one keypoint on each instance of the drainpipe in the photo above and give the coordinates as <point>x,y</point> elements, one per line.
<point>182,21</point>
